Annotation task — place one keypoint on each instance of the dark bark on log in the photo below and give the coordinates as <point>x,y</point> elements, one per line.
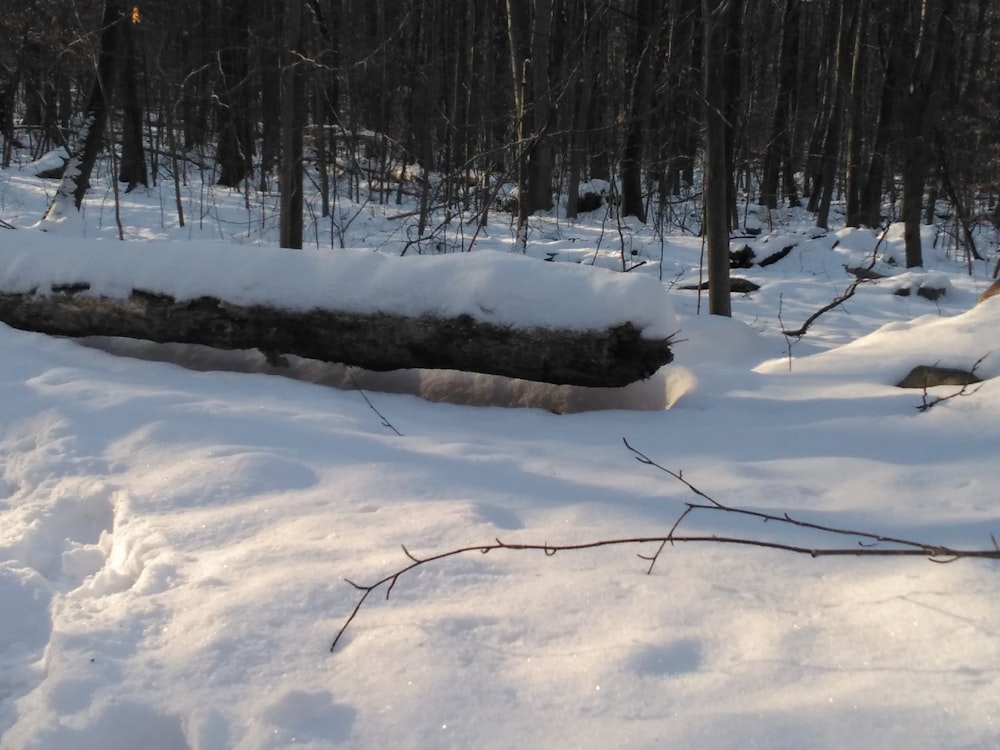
<point>375,341</point>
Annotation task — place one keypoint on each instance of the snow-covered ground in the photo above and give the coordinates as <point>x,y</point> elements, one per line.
<point>177,525</point>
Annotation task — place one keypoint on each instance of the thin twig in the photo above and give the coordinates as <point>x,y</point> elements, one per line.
<point>837,301</point>
<point>867,548</point>
<point>380,415</point>
<point>841,299</point>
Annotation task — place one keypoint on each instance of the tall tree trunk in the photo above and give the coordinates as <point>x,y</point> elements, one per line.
<point>518,30</point>
<point>76,177</point>
<point>132,169</point>
<point>8,91</point>
<point>293,116</point>
<point>855,121</point>
<point>718,179</point>
<point>541,164</point>
<point>779,146</point>
<point>326,21</point>
<point>931,44</point>
<point>582,89</point>
<point>831,142</point>
<point>269,20</point>
<point>870,208</point>
<point>529,25</point>
<point>641,55</point>
<point>731,71</point>
<point>236,143</point>
<point>195,99</point>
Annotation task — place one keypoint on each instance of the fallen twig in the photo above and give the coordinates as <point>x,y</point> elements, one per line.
<point>861,276</point>
<point>866,545</point>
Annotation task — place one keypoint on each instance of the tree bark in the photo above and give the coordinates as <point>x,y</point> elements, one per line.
<point>717,177</point>
<point>235,148</point>
<point>927,58</point>
<point>846,31</point>
<point>76,177</point>
<point>541,165</point>
<point>518,22</point>
<point>132,169</point>
<point>856,119</point>
<point>870,208</point>
<point>268,22</point>
<point>642,54</point>
<point>292,123</point>
<point>376,341</point>
<point>779,146</point>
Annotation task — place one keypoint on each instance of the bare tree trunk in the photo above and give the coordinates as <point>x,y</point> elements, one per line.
<point>236,143</point>
<point>870,208</point>
<point>518,23</point>
<point>831,143</point>
<point>731,70</point>
<point>779,149</point>
<point>196,100</point>
<point>132,170</point>
<point>76,177</point>
<point>529,26</point>
<point>541,164</point>
<point>932,41</point>
<point>717,177</point>
<point>269,18</point>
<point>855,122</point>
<point>293,115</point>
<point>643,53</point>
<point>8,91</point>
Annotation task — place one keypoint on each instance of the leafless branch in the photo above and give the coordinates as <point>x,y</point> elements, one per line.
<point>860,278</point>
<point>867,544</point>
<point>837,301</point>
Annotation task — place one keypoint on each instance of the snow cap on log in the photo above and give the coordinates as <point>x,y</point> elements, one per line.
<point>496,288</point>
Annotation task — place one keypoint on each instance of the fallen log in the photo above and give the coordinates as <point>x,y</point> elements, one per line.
<point>375,341</point>
<point>487,312</point>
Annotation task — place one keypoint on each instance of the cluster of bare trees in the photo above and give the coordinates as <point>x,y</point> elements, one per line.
<point>877,105</point>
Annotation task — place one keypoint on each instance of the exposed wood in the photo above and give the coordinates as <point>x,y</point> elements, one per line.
<point>736,286</point>
<point>991,291</point>
<point>375,341</point>
<point>928,376</point>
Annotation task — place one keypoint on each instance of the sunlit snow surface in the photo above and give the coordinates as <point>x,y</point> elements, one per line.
<point>175,540</point>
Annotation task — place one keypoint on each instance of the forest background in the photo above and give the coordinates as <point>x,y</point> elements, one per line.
<point>885,106</point>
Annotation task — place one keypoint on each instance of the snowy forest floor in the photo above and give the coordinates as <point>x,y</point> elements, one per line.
<point>177,525</point>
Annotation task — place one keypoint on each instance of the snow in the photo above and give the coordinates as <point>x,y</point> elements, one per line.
<point>508,290</point>
<point>178,525</point>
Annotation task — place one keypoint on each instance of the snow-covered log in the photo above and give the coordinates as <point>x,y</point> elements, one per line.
<point>375,341</point>
<point>482,312</point>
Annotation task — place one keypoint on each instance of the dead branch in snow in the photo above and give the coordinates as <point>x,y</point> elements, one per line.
<point>867,543</point>
<point>861,276</point>
<point>837,301</point>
